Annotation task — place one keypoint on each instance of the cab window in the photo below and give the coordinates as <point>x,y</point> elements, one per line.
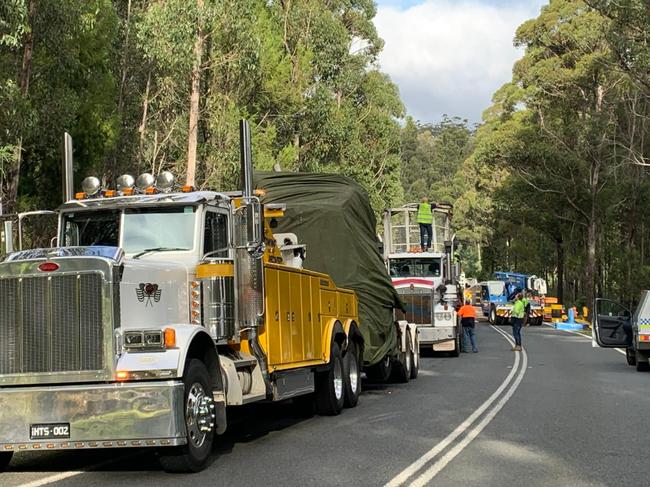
<point>91,228</point>
<point>215,235</point>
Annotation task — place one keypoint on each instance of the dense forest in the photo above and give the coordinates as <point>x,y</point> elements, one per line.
<point>554,181</point>
<point>151,85</point>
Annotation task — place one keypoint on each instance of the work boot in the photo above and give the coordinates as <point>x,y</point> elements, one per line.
<point>518,348</point>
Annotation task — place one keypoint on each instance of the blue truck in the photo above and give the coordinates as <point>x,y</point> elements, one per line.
<point>495,297</point>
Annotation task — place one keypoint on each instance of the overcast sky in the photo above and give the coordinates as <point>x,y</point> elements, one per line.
<point>450,56</point>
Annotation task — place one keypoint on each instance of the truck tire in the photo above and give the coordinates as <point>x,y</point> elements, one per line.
<point>380,372</point>
<point>493,316</point>
<point>630,356</point>
<point>352,375</point>
<point>415,360</point>
<point>402,368</point>
<point>199,420</point>
<point>5,459</point>
<point>330,390</point>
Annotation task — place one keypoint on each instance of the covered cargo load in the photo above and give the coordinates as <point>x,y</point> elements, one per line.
<point>332,215</point>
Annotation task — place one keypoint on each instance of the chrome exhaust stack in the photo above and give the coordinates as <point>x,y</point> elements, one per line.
<point>67,173</point>
<point>249,249</point>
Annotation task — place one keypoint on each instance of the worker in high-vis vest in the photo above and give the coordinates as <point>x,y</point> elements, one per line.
<point>425,220</point>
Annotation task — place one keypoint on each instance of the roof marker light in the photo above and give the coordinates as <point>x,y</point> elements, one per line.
<point>144,181</point>
<point>125,182</point>
<point>165,181</point>
<point>91,185</point>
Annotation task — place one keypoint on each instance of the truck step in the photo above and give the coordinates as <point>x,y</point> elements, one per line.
<point>242,363</point>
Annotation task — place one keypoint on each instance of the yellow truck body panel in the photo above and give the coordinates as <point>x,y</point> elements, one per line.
<point>302,308</point>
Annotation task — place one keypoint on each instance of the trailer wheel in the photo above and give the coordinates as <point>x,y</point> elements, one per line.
<point>352,375</point>
<point>630,355</point>
<point>415,360</point>
<point>330,390</point>
<point>199,421</point>
<point>403,366</point>
<point>380,372</point>
<point>5,459</point>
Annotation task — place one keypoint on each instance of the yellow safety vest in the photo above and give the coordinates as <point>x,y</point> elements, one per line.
<point>424,213</point>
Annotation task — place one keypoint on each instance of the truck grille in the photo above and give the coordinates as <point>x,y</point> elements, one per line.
<point>51,323</point>
<point>418,308</point>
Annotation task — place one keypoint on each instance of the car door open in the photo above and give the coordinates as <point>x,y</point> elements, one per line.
<point>612,324</point>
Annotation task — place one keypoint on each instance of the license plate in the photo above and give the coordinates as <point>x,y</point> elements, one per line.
<point>49,431</point>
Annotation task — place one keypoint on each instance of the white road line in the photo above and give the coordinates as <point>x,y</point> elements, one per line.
<point>416,466</point>
<point>53,478</point>
<point>73,473</point>
<point>434,469</point>
<point>583,336</point>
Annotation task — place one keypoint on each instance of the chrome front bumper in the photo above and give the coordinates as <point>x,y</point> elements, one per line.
<point>430,335</point>
<point>100,415</point>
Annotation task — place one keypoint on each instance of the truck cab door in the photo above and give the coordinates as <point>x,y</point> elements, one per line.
<point>612,324</point>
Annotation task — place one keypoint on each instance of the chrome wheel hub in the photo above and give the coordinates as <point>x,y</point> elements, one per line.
<point>338,379</point>
<point>200,415</point>
<point>407,361</point>
<point>354,375</point>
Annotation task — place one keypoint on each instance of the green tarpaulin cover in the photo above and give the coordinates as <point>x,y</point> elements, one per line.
<point>332,215</point>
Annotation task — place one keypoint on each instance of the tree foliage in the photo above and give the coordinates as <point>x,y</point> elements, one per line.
<point>563,150</point>
<point>118,77</point>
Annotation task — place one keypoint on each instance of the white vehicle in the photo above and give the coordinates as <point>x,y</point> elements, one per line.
<point>615,326</point>
<point>159,307</point>
<point>424,280</point>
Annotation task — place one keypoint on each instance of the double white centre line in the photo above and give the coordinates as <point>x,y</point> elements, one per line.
<point>422,471</point>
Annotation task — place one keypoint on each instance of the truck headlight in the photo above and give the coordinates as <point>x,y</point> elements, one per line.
<point>146,340</point>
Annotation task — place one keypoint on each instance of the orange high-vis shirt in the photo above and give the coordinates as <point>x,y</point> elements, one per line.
<point>467,311</point>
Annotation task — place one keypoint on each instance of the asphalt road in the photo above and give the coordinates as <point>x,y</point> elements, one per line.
<point>562,413</point>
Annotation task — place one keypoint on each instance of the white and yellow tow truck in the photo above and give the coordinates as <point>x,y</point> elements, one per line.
<point>158,307</point>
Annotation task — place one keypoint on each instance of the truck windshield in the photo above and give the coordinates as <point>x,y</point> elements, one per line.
<point>413,267</point>
<point>143,228</point>
<point>89,228</point>
<point>158,228</point>
<point>496,288</point>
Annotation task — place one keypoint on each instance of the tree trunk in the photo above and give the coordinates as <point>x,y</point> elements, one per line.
<point>192,141</point>
<point>12,176</point>
<point>125,54</point>
<point>559,245</point>
<point>143,124</point>
<point>592,236</point>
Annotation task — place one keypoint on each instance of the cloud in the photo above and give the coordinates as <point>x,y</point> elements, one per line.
<point>449,57</point>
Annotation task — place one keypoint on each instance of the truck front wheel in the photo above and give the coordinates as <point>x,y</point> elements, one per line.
<point>330,391</point>
<point>404,365</point>
<point>5,459</point>
<point>493,316</point>
<point>199,421</point>
<point>415,360</point>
